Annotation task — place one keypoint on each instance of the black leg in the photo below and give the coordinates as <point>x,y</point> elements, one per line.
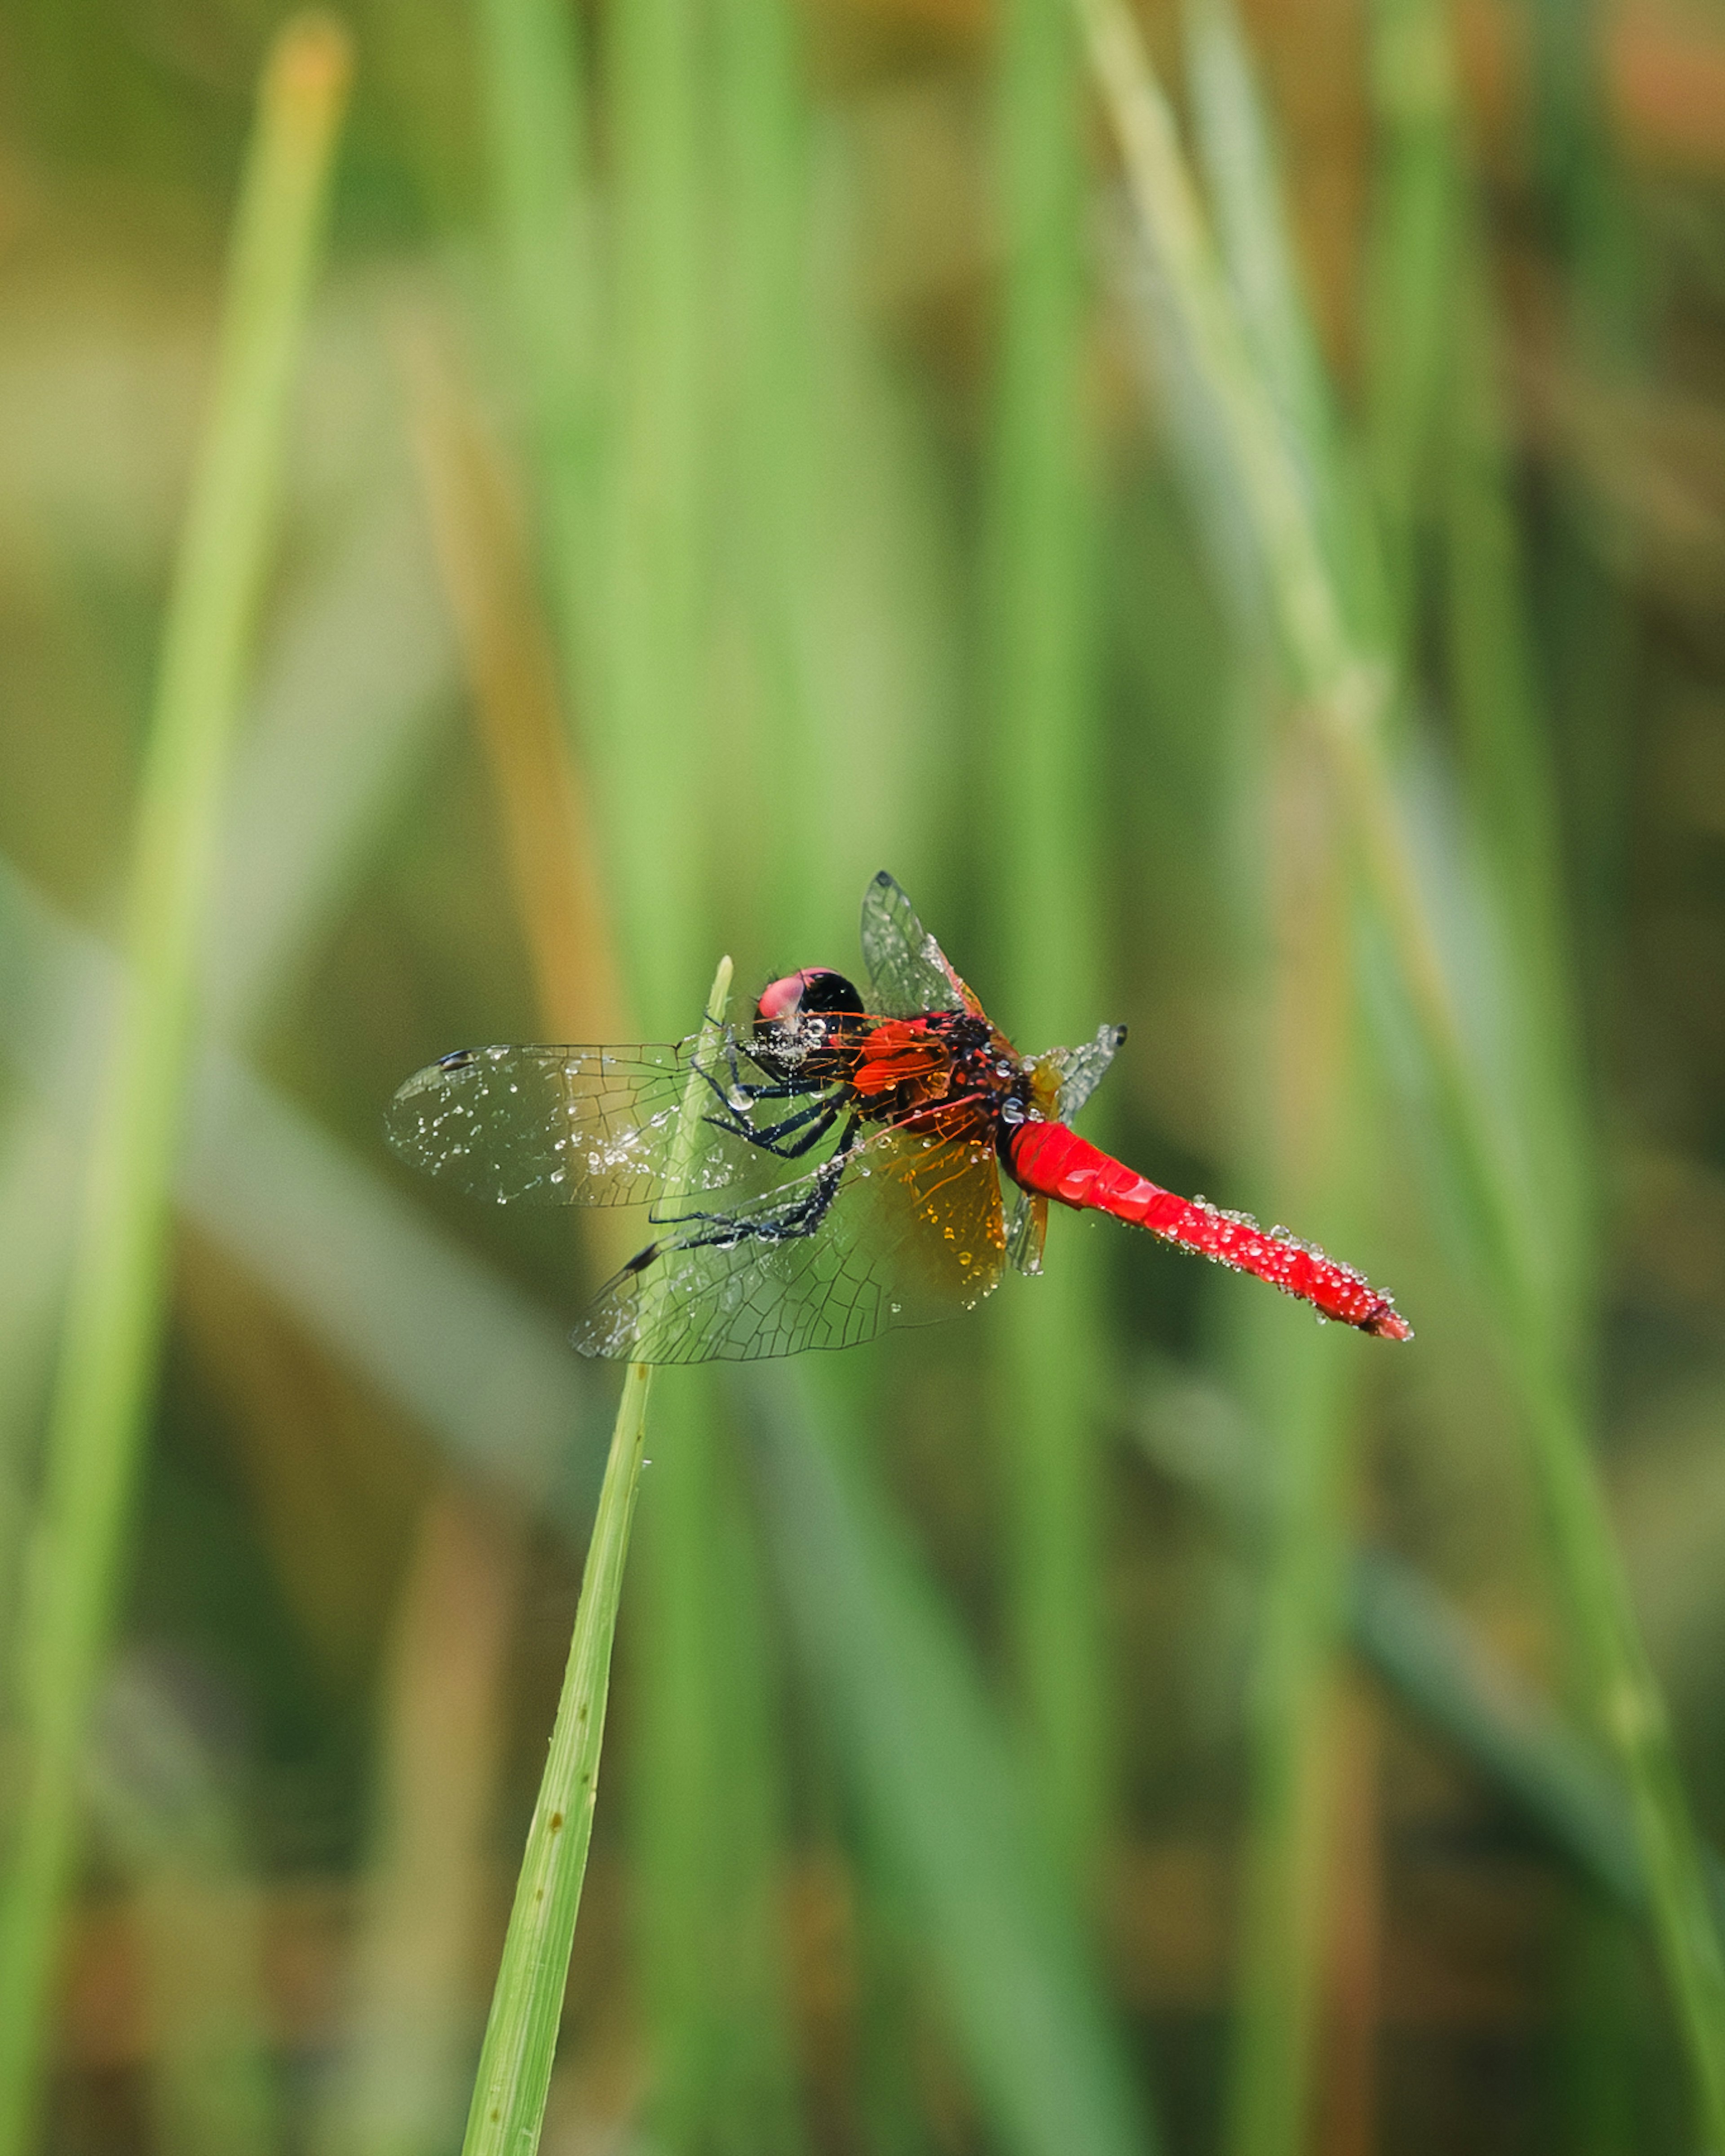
<point>821,1114</point>
<point>788,1225</point>
<point>788,1089</point>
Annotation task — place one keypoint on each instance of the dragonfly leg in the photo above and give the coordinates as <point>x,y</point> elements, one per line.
<point>791,1222</point>
<point>821,1114</point>
<point>750,1089</point>
<point>740,1089</point>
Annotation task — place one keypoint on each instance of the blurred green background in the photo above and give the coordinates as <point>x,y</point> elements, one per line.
<point>737,445</point>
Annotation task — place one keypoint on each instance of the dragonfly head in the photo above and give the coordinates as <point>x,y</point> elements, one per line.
<point>802,1015</point>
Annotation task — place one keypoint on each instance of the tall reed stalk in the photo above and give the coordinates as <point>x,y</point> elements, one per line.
<point>650,751</point>
<point>535,79</point>
<point>521,2035</point>
<point>119,1291</point>
<point>1042,724</point>
<point>1311,1141</point>
<point>1348,691</point>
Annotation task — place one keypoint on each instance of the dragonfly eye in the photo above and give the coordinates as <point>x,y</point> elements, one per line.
<point>794,1016</point>
<point>816,989</point>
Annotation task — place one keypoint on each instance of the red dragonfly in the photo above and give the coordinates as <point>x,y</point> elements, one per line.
<point>846,1175</point>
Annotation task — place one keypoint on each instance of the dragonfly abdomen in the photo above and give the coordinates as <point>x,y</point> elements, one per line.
<point>1054,1161</point>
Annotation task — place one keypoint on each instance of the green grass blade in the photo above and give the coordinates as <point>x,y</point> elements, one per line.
<point>1609,296</point>
<point>118,1286</point>
<point>1308,619</point>
<point>1240,166</point>
<point>649,751</point>
<point>1507,765</point>
<point>1348,697</point>
<point>1315,1145</point>
<point>765,561</point>
<point>945,1796</point>
<point>1040,635</point>
<point>1312,1146</point>
<point>521,2034</point>
<point>534,79</point>
<point>1285,1893</point>
<point>1409,275</point>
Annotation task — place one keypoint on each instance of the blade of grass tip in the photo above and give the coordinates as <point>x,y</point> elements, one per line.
<point>1348,697</point>
<point>118,1284</point>
<point>403,2081</point>
<point>521,2034</point>
<point>1050,1355</point>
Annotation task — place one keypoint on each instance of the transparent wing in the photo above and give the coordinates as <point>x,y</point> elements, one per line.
<point>1073,1073</point>
<point>549,1125</point>
<point>908,970</point>
<point>1027,1232</point>
<point>904,1230</point>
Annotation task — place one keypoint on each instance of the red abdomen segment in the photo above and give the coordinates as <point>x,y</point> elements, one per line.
<point>1051,1161</point>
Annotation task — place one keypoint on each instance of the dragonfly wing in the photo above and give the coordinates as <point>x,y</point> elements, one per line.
<point>908,971</point>
<point>904,1230</point>
<point>1027,1232</point>
<point>1076,1072</point>
<point>550,1126</point>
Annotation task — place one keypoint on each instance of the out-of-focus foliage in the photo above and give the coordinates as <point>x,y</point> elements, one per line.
<point>738,447</point>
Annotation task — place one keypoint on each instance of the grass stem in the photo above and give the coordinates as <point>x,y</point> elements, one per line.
<point>521,2034</point>
<point>1348,691</point>
<point>535,77</point>
<point>1040,634</point>
<point>119,1290</point>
